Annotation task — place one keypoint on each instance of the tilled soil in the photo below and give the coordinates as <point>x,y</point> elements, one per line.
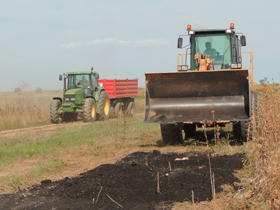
<point>138,181</point>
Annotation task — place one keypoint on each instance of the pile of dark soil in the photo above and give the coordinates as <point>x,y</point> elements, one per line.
<point>138,181</point>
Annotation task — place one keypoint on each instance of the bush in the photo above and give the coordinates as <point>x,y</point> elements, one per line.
<point>18,90</point>
<point>38,90</point>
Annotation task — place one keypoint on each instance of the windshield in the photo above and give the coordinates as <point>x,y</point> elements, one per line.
<point>216,46</point>
<point>78,81</point>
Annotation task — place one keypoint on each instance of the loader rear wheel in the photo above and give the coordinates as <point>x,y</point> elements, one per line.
<point>130,109</point>
<point>241,130</point>
<point>55,117</point>
<point>118,110</point>
<point>104,106</point>
<point>171,133</point>
<point>89,114</point>
<point>189,130</point>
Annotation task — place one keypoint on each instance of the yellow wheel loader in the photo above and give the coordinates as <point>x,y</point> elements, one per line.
<point>210,88</point>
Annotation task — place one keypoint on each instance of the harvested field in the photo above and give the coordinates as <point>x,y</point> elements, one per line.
<point>141,180</point>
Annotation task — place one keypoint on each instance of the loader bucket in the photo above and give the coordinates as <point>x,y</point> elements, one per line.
<point>197,96</point>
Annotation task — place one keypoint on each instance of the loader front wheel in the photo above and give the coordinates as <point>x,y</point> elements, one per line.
<point>55,117</point>
<point>104,106</point>
<point>89,114</point>
<point>189,130</point>
<point>171,133</point>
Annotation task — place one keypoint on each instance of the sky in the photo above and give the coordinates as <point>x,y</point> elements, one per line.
<point>41,39</point>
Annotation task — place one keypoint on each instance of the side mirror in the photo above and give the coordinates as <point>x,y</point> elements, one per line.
<point>60,77</point>
<point>243,40</point>
<point>97,76</point>
<point>180,43</point>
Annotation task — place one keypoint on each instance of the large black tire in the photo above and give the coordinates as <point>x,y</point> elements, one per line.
<point>241,129</point>
<point>55,117</point>
<point>171,134</point>
<point>189,130</point>
<point>104,106</point>
<point>89,114</point>
<point>130,109</point>
<point>118,110</point>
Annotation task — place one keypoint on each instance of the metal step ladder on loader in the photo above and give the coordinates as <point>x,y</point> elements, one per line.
<point>215,90</point>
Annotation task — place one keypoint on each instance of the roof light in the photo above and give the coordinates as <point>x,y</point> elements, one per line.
<point>228,31</point>
<point>231,26</point>
<point>191,32</point>
<point>189,27</point>
<point>91,68</point>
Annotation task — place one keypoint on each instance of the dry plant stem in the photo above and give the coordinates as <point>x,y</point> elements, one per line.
<point>158,189</point>
<point>114,201</point>
<point>99,194</point>
<point>192,197</point>
<point>169,165</point>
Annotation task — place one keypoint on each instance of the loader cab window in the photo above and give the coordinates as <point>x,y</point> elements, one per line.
<point>216,46</point>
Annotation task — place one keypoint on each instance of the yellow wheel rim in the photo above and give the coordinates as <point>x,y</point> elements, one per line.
<point>92,110</point>
<point>106,106</point>
<point>59,115</point>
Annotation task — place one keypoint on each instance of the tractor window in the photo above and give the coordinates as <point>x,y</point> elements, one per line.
<point>78,81</point>
<point>216,46</point>
<point>94,81</point>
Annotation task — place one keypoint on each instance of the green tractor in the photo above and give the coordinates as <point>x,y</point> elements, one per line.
<point>81,94</point>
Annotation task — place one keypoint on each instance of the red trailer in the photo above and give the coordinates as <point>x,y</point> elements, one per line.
<point>120,92</point>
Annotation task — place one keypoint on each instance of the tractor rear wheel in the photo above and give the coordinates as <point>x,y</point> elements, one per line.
<point>104,106</point>
<point>118,110</point>
<point>171,133</point>
<point>130,109</point>
<point>55,117</point>
<point>89,114</point>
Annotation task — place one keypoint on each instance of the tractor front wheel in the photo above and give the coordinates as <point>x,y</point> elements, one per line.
<point>104,106</point>
<point>55,117</point>
<point>89,114</point>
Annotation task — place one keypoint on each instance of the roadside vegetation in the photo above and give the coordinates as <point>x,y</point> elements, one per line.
<point>28,158</point>
<point>25,110</point>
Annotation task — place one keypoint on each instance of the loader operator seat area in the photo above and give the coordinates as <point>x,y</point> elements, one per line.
<point>211,52</point>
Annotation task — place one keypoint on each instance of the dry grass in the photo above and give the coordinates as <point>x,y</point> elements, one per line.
<point>261,178</point>
<point>25,110</point>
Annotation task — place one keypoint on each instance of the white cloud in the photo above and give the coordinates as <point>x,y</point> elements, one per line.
<point>116,41</point>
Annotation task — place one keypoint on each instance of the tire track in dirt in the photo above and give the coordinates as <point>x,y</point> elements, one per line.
<point>10,133</point>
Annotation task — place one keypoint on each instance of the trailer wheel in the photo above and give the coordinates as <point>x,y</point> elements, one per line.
<point>104,106</point>
<point>189,130</point>
<point>111,112</point>
<point>241,129</point>
<point>130,109</point>
<point>55,117</point>
<point>89,114</point>
<point>171,133</point>
<point>118,110</point>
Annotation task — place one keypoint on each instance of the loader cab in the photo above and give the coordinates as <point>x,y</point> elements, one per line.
<point>222,46</point>
<point>223,49</point>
